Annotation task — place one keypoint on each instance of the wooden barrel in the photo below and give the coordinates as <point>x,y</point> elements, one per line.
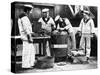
<point>59,42</point>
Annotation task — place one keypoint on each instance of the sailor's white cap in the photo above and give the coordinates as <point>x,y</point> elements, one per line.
<point>29,6</point>
<point>57,17</point>
<point>45,10</point>
<point>88,13</point>
<point>85,11</point>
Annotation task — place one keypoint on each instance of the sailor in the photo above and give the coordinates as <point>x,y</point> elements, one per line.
<point>25,29</point>
<point>48,25</point>
<point>46,21</point>
<point>64,26</point>
<point>86,29</point>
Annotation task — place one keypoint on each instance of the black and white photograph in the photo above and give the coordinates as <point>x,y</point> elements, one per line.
<point>50,37</point>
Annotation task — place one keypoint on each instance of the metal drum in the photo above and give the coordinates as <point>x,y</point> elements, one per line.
<point>59,41</point>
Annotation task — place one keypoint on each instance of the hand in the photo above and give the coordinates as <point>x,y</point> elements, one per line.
<point>55,32</point>
<point>93,34</point>
<point>30,40</point>
<point>80,33</point>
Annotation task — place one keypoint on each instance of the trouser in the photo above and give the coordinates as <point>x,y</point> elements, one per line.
<point>28,54</point>
<point>85,43</point>
<point>71,42</point>
<point>46,47</point>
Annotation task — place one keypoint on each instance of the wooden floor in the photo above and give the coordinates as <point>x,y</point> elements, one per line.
<point>60,66</point>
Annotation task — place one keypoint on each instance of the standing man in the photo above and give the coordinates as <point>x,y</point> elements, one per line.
<point>64,25</point>
<point>47,23</point>
<point>86,29</point>
<point>25,28</point>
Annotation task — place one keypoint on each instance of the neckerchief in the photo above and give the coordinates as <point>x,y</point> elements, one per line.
<point>63,24</point>
<point>86,20</point>
<point>46,20</point>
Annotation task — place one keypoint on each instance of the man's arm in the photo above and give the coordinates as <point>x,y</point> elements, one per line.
<point>53,24</point>
<point>68,24</point>
<point>80,26</point>
<point>40,20</point>
<point>27,28</point>
<point>92,26</point>
<point>20,26</point>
